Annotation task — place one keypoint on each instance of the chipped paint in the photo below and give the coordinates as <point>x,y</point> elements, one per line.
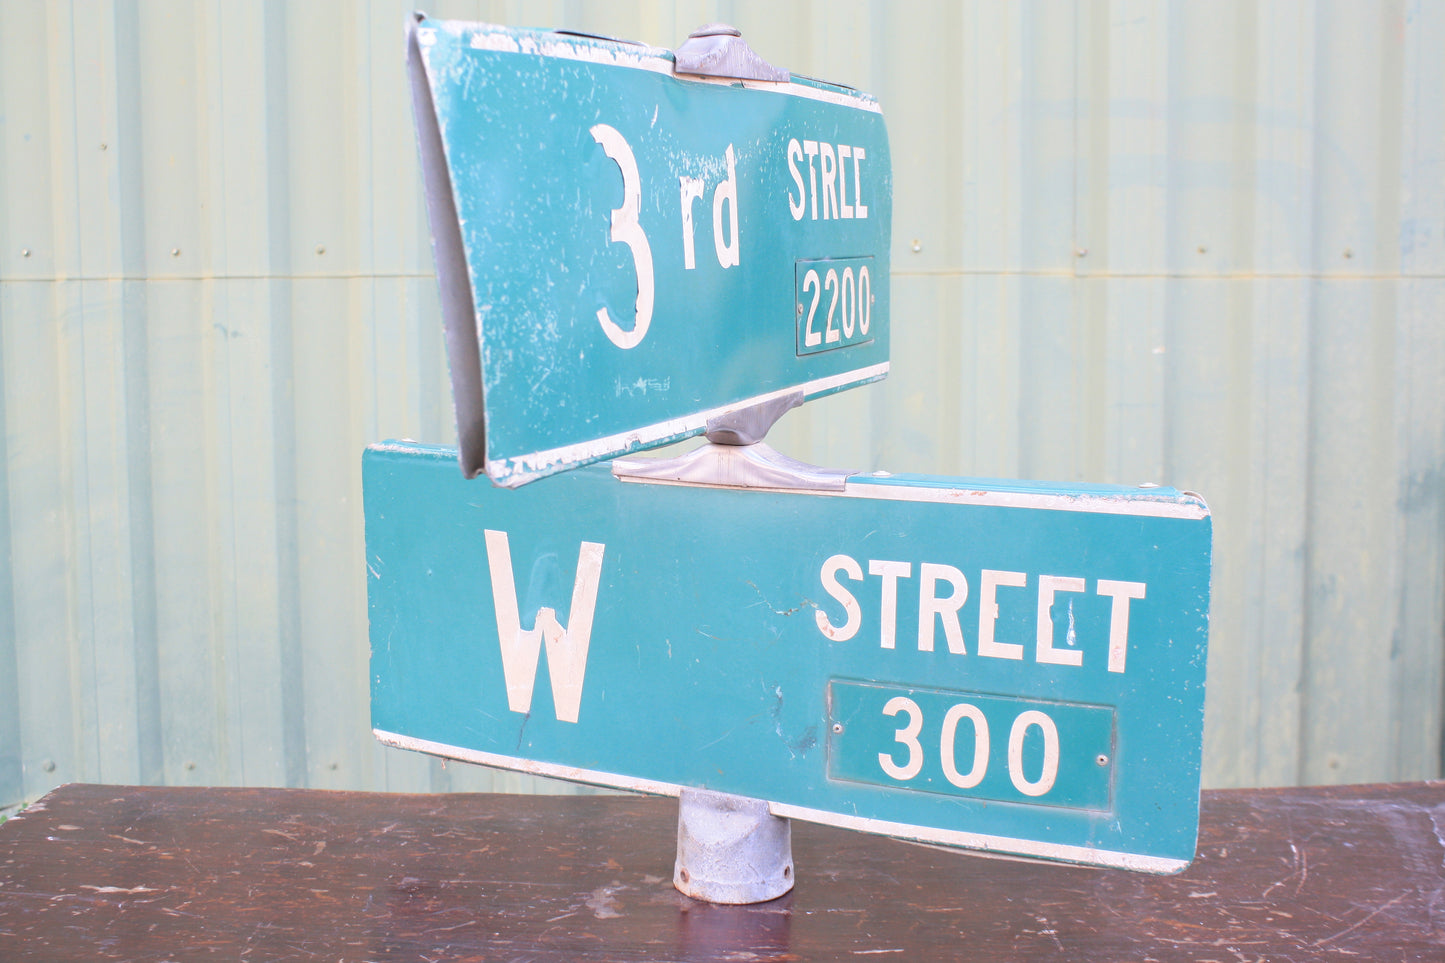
<point>593,350</point>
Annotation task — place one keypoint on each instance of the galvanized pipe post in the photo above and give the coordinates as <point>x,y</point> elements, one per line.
<point>731,849</point>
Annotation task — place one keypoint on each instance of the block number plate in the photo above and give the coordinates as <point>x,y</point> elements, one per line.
<point>969,744</point>
<point>834,303</point>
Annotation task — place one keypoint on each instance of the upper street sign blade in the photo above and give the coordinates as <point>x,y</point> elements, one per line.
<point>625,252</point>
<point>1006,666</point>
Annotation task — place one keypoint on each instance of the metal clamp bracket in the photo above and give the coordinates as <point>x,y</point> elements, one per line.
<point>734,466</point>
<point>735,457</point>
<point>718,50</point>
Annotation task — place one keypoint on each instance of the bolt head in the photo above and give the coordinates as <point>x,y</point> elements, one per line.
<point>716,30</point>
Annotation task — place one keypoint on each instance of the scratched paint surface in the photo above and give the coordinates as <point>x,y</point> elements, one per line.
<point>708,664</point>
<point>733,186</point>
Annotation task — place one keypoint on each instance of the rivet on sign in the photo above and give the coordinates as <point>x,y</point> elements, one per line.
<point>25,252</point>
<point>190,765</point>
<point>1203,249</point>
<point>335,766</point>
<point>175,252</point>
<point>102,147</point>
<point>837,728</point>
<point>48,765</point>
<point>917,245</point>
<point>1081,252</point>
<point>800,309</point>
<point>321,249</point>
<point>1349,253</point>
<point>1101,759</point>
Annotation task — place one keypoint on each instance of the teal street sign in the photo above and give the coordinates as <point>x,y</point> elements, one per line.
<point>1005,666</point>
<point>626,250</point>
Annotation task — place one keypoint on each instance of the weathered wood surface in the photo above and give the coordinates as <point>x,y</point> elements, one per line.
<point>112,873</point>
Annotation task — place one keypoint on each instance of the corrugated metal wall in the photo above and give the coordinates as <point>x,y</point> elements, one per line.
<point>1198,244</point>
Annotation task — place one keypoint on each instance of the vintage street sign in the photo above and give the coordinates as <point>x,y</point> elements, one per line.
<point>626,250</point>
<point>1001,665</point>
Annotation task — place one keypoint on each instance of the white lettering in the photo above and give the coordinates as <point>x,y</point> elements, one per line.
<point>625,228</point>
<point>812,338</point>
<point>1046,653</point>
<point>908,736</point>
<point>946,605</point>
<point>726,192</point>
<point>810,147</point>
<point>929,605</point>
<point>858,209</point>
<point>1121,593</point>
<point>891,572</point>
<point>832,165</point>
<point>980,745</point>
<point>831,567</point>
<point>829,164</point>
<point>795,154</point>
<point>691,191</point>
<point>566,645</point>
<point>845,210</point>
<point>1050,770</point>
<point>988,583</point>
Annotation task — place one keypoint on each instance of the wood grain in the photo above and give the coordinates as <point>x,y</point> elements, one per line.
<point>151,874</point>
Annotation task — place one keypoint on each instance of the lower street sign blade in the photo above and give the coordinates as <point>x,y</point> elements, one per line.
<point>1002,666</point>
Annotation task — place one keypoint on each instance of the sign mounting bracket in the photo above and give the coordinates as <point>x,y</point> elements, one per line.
<point>719,50</point>
<point>736,457</point>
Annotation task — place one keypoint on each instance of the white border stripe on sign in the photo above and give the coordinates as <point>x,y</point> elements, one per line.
<point>1184,507</point>
<point>927,834</point>
<point>658,60</point>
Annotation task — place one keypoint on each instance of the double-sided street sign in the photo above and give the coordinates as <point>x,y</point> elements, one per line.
<point>1006,666</point>
<point>630,244</point>
<point>626,250</point>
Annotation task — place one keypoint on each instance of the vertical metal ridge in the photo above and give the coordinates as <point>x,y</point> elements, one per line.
<point>12,746</point>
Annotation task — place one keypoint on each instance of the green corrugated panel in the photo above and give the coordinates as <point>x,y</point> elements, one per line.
<point>1202,245</point>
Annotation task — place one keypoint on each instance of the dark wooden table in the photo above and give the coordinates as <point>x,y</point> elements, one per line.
<point>113,873</point>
